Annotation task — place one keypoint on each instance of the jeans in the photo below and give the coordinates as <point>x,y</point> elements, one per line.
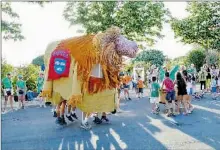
<point>30,95</point>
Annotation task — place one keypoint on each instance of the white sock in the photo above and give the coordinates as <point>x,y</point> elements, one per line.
<point>73,111</point>
<point>85,120</point>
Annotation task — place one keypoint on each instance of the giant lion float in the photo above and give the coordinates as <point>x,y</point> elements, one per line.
<point>84,70</point>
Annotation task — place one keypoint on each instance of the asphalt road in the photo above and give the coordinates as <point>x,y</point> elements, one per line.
<point>135,128</point>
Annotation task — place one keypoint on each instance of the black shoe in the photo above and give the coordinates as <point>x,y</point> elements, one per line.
<point>74,116</point>
<point>97,120</point>
<point>59,120</point>
<point>158,109</point>
<point>55,114</point>
<point>114,111</point>
<point>63,121</point>
<point>69,118</point>
<point>105,118</point>
<point>129,98</point>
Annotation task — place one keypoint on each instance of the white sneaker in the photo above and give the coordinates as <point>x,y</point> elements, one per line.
<point>191,109</point>
<point>119,111</point>
<point>85,126</point>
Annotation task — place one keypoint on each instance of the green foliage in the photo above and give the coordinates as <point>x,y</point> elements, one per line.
<point>30,75</point>
<point>213,57</point>
<point>38,61</point>
<point>11,28</point>
<point>196,57</point>
<point>201,27</point>
<point>182,60</point>
<point>140,21</point>
<point>6,68</point>
<point>154,57</point>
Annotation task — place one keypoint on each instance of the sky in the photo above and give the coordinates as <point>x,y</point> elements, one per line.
<point>42,25</point>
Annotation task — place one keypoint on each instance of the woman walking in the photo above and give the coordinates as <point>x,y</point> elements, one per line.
<point>21,91</point>
<point>181,93</point>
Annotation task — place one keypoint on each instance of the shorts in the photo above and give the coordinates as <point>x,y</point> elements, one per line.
<point>24,93</point>
<point>126,86</point>
<point>5,92</point>
<point>190,91</point>
<point>140,90</point>
<point>170,96</point>
<point>214,89</point>
<point>154,100</point>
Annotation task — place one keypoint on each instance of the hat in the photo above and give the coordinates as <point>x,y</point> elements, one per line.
<point>20,76</point>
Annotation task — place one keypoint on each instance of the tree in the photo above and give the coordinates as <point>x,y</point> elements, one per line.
<point>38,61</point>
<point>140,21</point>
<point>154,57</point>
<point>202,26</point>
<point>213,57</point>
<point>11,28</point>
<point>30,74</point>
<point>6,68</point>
<point>196,57</point>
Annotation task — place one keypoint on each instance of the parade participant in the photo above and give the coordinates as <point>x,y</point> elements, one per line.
<point>154,99</point>
<point>21,91</point>
<point>208,77</point>
<point>60,112</point>
<point>126,80</point>
<point>192,70</point>
<point>71,115</point>
<point>41,100</point>
<point>170,94</point>
<point>202,78</point>
<point>214,87</point>
<point>119,97</point>
<point>40,82</point>
<point>140,86</point>
<point>135,88</point>
<point>8,91</point>
<point>69,77</point>
<point>181,93</point>
<point>189,93</point>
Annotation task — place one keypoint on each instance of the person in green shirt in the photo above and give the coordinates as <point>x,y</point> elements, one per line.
<point>154,99</point>
<point>40,82</point>
<point>8,90</point>
<point>192,70</point>
<point>21,90</point>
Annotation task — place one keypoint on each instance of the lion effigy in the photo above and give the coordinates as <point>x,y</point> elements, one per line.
<point>85,70</point>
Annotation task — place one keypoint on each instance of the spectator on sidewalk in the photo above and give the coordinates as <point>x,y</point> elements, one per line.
<point>202,78</point>
<point>8,91</point>
<point>21,91</point>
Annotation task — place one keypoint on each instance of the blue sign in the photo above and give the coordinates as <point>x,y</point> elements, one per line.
<point>59,65</point>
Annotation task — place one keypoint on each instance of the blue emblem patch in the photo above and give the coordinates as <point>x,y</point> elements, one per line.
<point>59,65</point>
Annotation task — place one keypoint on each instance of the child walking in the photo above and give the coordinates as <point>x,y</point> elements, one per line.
<point>154,100</point>
<point>214,88</point>
<point>170,94</point>
<point>140,87</point>
<point>41,99</point>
